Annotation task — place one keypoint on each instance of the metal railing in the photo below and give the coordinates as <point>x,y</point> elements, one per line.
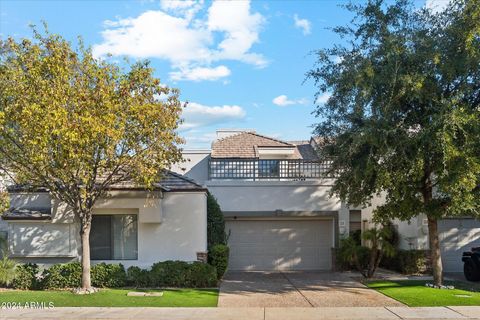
<point>268,169</point>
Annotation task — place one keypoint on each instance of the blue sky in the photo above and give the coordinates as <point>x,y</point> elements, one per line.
<point>239,64</point>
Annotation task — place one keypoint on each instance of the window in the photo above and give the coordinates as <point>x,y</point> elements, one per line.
<point>269,168</point>
<point>355,221</point>
<point>114,237</point>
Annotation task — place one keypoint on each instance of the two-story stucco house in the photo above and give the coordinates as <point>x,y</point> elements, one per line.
<point>274,195</point>
<point>131,225</point>
<point>279,216</point>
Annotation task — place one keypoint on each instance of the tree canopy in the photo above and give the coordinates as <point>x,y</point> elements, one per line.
<point>77,125</point>
<point>403,117</point>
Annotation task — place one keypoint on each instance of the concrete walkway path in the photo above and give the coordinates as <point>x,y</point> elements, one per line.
<point>353,313</point>
<point>298,289</point>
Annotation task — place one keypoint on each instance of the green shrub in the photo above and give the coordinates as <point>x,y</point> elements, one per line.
<point>7,270</point>
<point>344,254</point>
<point>138,277</point>
<point>201,275</point>
<point>408,262</point>
<point>356,236</point>
<point>218,257</point>
<point>60,276</point>
<point>26,277</point>
<point>169,274</point>
<point>162,274</point>
<point>174,274</point>
<point>215,223</point>
<point>108,275</point>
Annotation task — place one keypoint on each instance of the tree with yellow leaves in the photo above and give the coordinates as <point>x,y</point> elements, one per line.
<point>77,125</point>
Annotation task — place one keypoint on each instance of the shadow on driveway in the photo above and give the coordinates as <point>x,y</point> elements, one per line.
<point>297,289</point>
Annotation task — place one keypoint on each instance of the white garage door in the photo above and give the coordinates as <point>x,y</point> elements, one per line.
<point>280,244</point>
<point>457,236</point>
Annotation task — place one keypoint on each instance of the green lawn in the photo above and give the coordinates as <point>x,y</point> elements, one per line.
<point>414,293</point>
<point>115,298</point>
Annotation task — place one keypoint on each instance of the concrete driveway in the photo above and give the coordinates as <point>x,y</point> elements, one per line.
<point>297,289</point>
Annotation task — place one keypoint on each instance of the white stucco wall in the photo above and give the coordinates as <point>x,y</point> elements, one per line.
<point>42,239</point>
<point>170,228</point>
<point>194,165</point>
<point>273,195</point>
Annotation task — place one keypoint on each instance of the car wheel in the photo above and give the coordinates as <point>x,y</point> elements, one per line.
<point>470,271</point>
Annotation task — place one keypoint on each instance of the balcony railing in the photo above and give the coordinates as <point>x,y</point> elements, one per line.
<point>268,169</point>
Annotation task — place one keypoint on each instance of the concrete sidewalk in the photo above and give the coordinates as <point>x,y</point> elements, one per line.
<point>341,313</point>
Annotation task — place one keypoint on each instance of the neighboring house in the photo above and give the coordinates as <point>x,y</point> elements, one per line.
<point>131,226</point>
<point>279,216</point>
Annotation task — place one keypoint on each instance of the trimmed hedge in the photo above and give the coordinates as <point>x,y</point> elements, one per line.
<point>218,257</point>
<point>138,277</point>
<point>26,277</point>
<point>60,276</point>
<point>108,275</point>
<point>201,275</point>
<point>182,274</point>
<point>162,274</point>
<point>169,274</point>
<point>408,262</point>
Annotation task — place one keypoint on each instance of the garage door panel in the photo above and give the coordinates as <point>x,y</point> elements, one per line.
<point>457,236</point>
<point>470,235</point>
<point>242,250</point>
<point>280,244</point>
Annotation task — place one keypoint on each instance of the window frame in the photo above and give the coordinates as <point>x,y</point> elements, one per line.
<point>269,168</point>
<point>112,242</point>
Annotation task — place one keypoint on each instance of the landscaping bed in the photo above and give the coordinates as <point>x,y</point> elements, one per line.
<point>111,298</point>
<point>414,293</point>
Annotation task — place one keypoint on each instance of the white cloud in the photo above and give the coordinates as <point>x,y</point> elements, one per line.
<point>240,28</point>
<point>200,73</point>
<point>155,34</point>
<point>436,6</point>
<point>303,24</point>
<point>189,41</point>
<point>197,139</point>
<point>283,101</point>
<point>185,8</point>
<point>323,98</point>
<point>197,115</point>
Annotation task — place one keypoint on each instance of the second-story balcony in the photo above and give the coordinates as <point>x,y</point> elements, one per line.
<point>266,169</point>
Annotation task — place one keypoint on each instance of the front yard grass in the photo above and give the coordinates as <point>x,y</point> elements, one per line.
<point>414,293</point>
<point>114,298</point>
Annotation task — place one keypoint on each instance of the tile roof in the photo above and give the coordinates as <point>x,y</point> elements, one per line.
<point>245,145</point>
<point>170,181</point>
<point>176,182</point>
<point>306,151</point>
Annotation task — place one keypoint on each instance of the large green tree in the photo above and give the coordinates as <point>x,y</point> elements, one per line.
<point>77,125</point>
<point>403,116</point>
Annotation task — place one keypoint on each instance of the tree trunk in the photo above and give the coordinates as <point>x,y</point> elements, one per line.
<point>373,260</point>
<point>359,266</point>
<point>85,236</point>
<point>435,251</point>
